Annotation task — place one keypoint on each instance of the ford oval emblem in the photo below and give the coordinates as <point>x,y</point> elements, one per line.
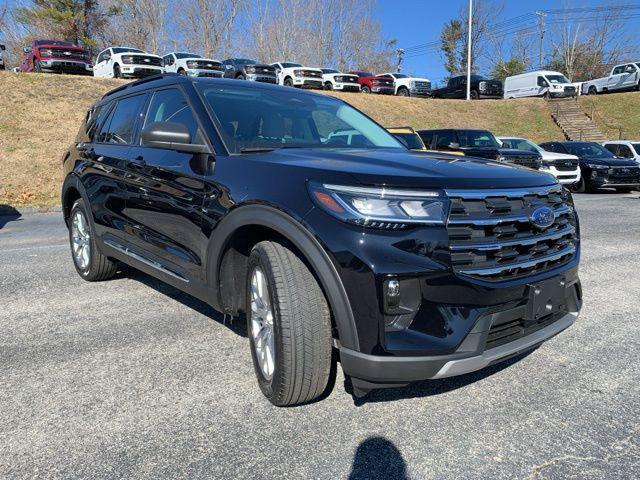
<point>542,217</point>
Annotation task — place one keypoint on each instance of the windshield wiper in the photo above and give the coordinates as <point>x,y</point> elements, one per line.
<point>258,149</point>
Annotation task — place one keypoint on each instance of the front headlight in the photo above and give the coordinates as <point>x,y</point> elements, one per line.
<point>46,52</point>
<point>593,166</point>
<point>387,208</point>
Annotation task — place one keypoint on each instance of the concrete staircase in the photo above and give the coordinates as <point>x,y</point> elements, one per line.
<point>574,122</point>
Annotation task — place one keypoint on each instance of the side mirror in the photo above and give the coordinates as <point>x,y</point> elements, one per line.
<point>170,136</point>
<point>228,67</point>
<point>454,145</point>
<point>3,48</point>
<point>26,49</point>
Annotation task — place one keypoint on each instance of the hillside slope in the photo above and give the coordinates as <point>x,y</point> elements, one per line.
<point>40,115</point>
<point>615,111</point>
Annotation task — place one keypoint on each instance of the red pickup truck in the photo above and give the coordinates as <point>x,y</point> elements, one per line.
<point>372,83</point>
<point>56,56</point>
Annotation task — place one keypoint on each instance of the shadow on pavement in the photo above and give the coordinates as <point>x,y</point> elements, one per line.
<point>428,388</point>
<point>8,214</point>
<point>236,325</point>
<point>378,457</point>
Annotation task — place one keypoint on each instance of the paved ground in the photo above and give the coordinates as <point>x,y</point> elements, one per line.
<point>130,378</point>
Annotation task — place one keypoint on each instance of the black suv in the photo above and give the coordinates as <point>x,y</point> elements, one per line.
<point>478,143</point>
<point>239,194</point>
<point>599,167</point>
<point>246,69</point>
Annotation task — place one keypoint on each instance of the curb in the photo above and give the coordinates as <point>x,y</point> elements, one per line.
<point>11,211</point>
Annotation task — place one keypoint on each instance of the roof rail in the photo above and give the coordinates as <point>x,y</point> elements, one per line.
<point>150,78</point>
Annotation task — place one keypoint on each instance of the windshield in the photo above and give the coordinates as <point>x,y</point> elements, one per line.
<point>557,79</point>
<point>186,55</point>
<point>400,75</point>
<point>252,119</point>
<point>413,140</point>
<point>365,74</point>
<point>329,70</point>
<point>245,61</point>
<point>588,150</point>
<point>476,138</point>
<point>521,144</point>
<point>126,50</point>
<point>55,42</point>
<point>636,147</point>
<point>290,65</point>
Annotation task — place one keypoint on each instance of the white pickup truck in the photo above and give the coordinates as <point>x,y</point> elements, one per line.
<point>625,76</point>
<point>407,86</point>
<point>295,75</point>
<point>191,65</point>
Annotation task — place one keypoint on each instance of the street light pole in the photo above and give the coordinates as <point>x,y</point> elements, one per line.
<point>469,51</point>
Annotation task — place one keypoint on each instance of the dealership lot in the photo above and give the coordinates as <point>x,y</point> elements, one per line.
<point>131,378</point>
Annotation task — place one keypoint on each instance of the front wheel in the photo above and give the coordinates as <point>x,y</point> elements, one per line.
<point>328,86</point>
<point>403,92</point>
<point>182,72</point>
<point>288,82</point>
<point>116,72</point>
<point>289,326</point>
<point>37,66</point>
<point>475,95</point>
<point>366,90</point>
<point>89,261</point>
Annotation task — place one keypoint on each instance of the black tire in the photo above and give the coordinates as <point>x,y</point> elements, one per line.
<point>241,77</point>
<point>37,66</point>
<point>288,82</point>
<point>116,71</point>
<point>475,95</point>
<point>182,72</point>
<point>301,327</point>
<point>365,89</point>
<point>99,266</point>
<point>403,92</point>
<point>592,91</point>
<point>328,86</point>
<point>583,187</point>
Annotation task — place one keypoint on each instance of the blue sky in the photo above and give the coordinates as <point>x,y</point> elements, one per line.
<point>415,22</point>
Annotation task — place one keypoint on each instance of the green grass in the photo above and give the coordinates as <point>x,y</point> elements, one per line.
<point>615,111</point>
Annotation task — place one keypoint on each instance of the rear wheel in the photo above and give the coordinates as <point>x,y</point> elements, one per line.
<point>592,91</point>
<point>289,326</point>
<point>89,261</point>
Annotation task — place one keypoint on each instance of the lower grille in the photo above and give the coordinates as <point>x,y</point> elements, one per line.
<point>506,331</point>
<point>492,235</point>
<point>566,168</point>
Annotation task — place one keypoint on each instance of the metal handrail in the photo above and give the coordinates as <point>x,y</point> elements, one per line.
<point>593,112</point>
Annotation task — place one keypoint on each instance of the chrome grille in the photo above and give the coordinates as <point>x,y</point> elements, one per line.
<point>68,53</point>
<point>492,237</point>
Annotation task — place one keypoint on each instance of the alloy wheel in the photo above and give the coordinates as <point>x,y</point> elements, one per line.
<point>262,330</point>
<point>81,240</point>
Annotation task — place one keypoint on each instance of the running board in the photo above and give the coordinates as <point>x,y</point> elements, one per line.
<point>146,261</point>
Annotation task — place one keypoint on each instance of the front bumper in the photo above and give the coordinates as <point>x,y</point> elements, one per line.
<point>394,370</point>
<point>204,73</point>
<point>607,180</point>
<point>495,95</point>
<point>562,93</point>
<point>347,87</point>
<point>307,83</point>
<point>66,66</point>
<point>131,71</point>
<point>383,90</point>
<point>256,77</point>
<point>420,92</point>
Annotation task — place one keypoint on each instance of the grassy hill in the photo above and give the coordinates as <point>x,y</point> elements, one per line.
<point>40,115</point>
<point>615,111</point>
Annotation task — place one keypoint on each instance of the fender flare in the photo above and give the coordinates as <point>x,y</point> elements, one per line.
<point>304,241</point>
<point>72,181</point>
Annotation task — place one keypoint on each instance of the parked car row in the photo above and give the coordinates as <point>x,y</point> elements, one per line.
<point>581,166</point>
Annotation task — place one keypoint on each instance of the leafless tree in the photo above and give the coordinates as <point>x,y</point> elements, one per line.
<point>208,25</point>
<point>138,23</point>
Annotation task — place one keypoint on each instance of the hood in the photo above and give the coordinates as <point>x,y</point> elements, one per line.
<point>609,162</point>
<point>417,79</point>
<point>74,48</point>
<point>411,169</point>
<point>512,152</point>
<point>550,156</point>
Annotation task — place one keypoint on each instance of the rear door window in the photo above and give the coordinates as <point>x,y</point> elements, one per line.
<point>96,117</point>
<point>120,127</point>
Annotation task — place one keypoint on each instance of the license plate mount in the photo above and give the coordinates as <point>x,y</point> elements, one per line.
<point>545,298</point>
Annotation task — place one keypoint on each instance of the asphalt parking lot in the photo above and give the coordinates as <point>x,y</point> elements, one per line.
<point>131,378</point>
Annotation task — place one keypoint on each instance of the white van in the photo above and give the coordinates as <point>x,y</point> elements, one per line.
<point>541,83</point>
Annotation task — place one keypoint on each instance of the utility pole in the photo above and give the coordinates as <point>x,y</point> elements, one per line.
<point>469,50</point>
<point>400,55</point>
<point>541,26</point>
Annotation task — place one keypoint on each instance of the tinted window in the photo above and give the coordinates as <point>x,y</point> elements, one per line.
<point>55,42</point>
<point>636,147</point>
<point>476,138</point>
<point>582,149</point>
<point>411,139</point>
<point>187,55</point>
<point>427,137</point>
<point>281,118</point>
<point>624,151</point>
<point>444,139</point>
<point>290,65</point>
<point>618,70</point>
<point>126,50</point>
<point>170,105</point>
<point>120,127</point>
<point>95,119</point>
